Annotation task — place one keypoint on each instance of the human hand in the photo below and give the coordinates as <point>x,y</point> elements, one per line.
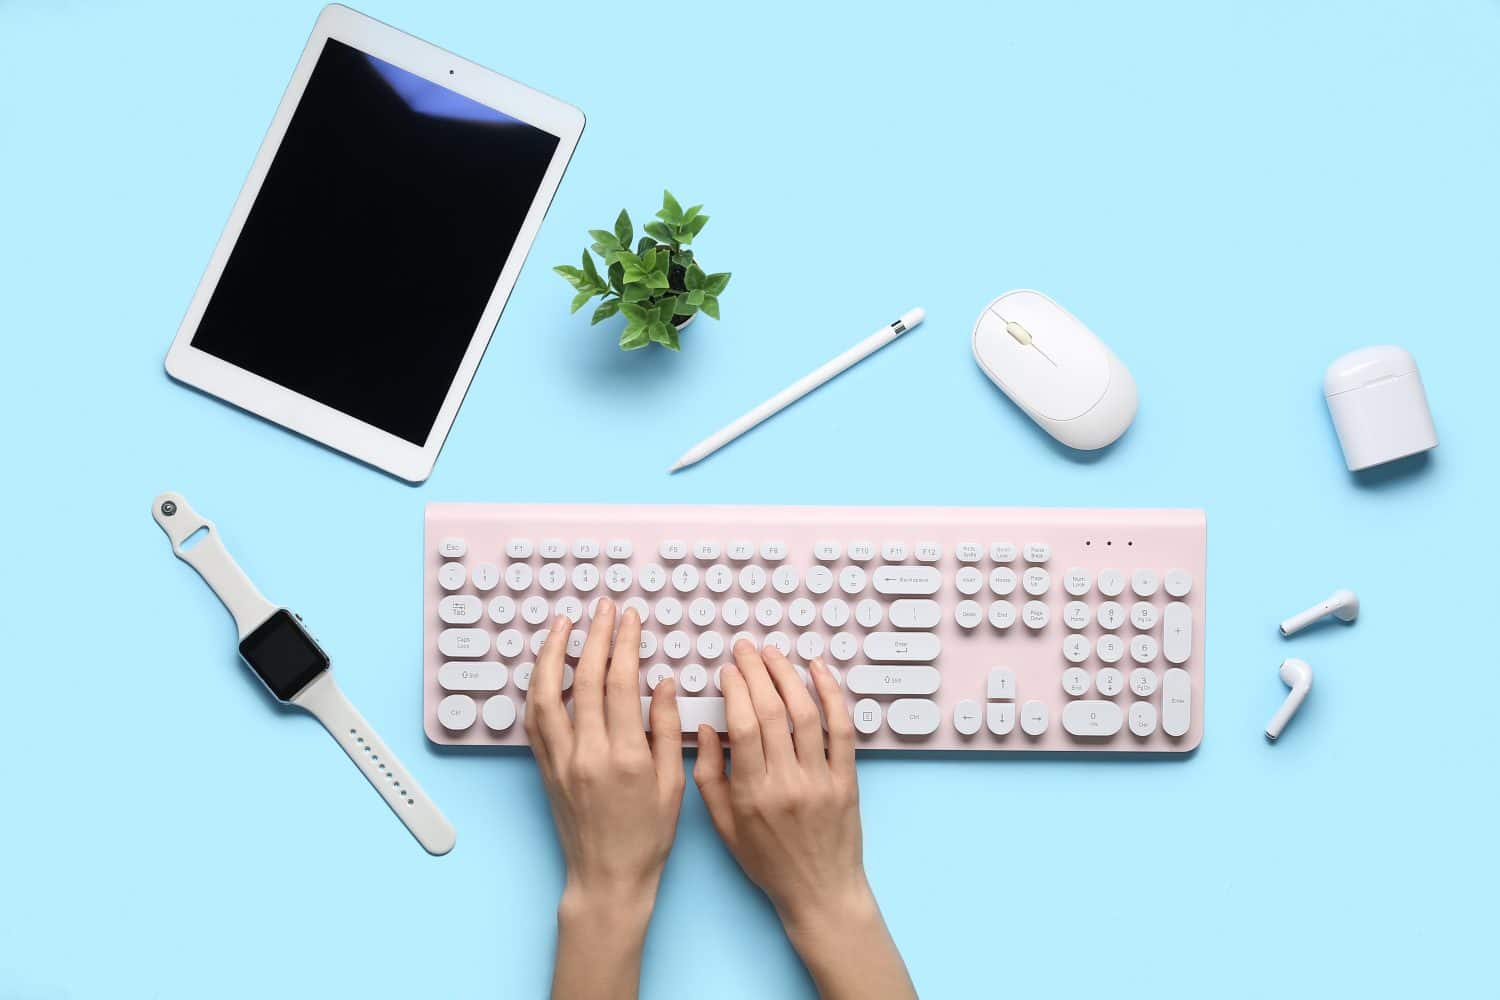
<point>615,799</point>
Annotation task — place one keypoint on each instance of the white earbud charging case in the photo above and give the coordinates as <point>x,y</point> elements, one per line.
<point>1379,407</point>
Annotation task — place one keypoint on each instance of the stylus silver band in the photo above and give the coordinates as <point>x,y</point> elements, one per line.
<point>212,561</point>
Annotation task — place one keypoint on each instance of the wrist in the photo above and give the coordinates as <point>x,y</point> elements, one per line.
<point>830,917</point>
<point>617,908</point>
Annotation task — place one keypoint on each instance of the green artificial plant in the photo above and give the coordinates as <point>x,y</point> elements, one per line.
<point>658,286</point>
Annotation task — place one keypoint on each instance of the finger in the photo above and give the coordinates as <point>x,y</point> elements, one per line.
<point>713,783</point>
<point>807,726</point>
<point>840,726</point>
<point>544,699</point>
<point>743,727</point>
<point>622,698</point>
<point>666,738</point>
<point>588,679</point>
<point>770,712</point>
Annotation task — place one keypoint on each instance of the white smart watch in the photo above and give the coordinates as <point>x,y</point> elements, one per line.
<point>296,670</point>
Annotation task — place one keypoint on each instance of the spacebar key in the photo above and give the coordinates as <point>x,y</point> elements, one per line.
<point>695,712</point>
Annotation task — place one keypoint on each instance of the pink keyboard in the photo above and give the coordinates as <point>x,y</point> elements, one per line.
<point>982,628</point>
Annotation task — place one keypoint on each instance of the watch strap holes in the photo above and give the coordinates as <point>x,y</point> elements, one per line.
<point>191,541</point>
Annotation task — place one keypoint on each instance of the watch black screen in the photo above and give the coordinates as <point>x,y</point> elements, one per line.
<point>283,655</point>
<point>375,241</point>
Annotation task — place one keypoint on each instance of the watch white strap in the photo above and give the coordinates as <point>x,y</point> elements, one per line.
<point>212,561</point>
<point>327,703</point>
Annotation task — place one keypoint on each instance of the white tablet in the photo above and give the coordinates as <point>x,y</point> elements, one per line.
<point>367,259</point>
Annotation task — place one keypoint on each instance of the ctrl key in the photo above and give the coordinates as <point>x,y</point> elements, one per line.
<point>457,712</point>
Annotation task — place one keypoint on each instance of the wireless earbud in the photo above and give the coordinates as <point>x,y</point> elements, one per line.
<point>1297,675</point>
<point>1342,604</point>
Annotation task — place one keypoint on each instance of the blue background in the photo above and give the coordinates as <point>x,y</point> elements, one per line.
<point>1230,195</point>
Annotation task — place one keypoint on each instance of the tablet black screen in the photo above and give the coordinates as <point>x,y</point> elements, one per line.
<point>376,239</point>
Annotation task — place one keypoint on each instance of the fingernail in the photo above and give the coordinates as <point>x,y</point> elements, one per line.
<point>605,605</point>
<point>743,645</point>
<point>667,685</point>
<point>563,624</point>
<point>632,616</point>
<point>815,663</point>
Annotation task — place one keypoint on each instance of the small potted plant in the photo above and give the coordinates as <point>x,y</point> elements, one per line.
<point>659,286</point>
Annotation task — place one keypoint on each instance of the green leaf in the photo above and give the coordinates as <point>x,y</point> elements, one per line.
<point>617,277</point>
<point>660,232</point>
<point>670,210</point>
<point>635,293</point>
<point>606,239</point>
<point>694,277</point>
<point>606,309</point>
<point>648,260</point>
<point>669,339</point>
<point>591,272</point>
<point>581,298</point>
<point>634,338</point>
<point>685,307</point>
<point>711,305</point>
<point>645,244</point>
<point>692,214</point>
<point>573,276</point>
<point>636,315</point>
<point>623,230</point>
<point>696,226</point>
<point>716,283</point>
<point>656,279</point>
<point>666,309</point>
<point>696,297</point>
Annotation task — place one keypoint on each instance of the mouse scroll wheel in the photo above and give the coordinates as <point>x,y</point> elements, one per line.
<point>1022,335</point>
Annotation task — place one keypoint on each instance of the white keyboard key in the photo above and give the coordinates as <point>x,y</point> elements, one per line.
<point>585,577</point>
<point>668,611</point>
<point>915,614</point>
<point>1143,615</point>
<point>653,578</point>
<point>929,552</point>
<point>710,645</point>
<point>1076,615</point>
<point>1035,615</point>
<point>1142,718</point>
<point>469,643</point>
<point>902,647</point>
<point>969,581</point>
<point>1143,649</point>
<point>510,642</point>
<point>1143,582</point>
<point>521,676</point>
<point>1037,552</point>
<point>785,579</point>
<point>693,678</point>
<point>534,610</point>
<point>779,642</point>
<point>1076,648</point>
<point>453,548</point>
<point>718,578</point>
<point>692,713</point>
<point>1002,614</point>
<point>552,577</point>
<point>499,713</point>
<point>1002,552</point>
<point>827,551</point>
<point>1001,684</point>
<point>913,716</point>
<point>1036,581</point>
<point>457,712</point>
<point>968,552</point>
<point>867,716</point>
<point>842,647</point>
<point>1143,682</point>
<point>1177,583</point>
<point>852,580</point>
<point>452,576</point>
<point>619,548</point>
<point>518,576</point>
<point>809,645</point>
<point>570,608</point>
<point>656,674</point>
<point>968,614</point>
<point>485,675</point>
<point>835,613</point>
<point>869,613</point>
<point>518,548</point>
<point>773,551</point>
<point>685,578</point>
<point>585,548</point>
<point>740,551</point>
<point>705,551</point>
<point>553,548</point>
<point>861,551</point>
<point>892,680</point>
<point>752,579</point>
<point>648,644</point>
<point>1111,582</point>
<point>768,611</point>
<point>1176,702</point>
<point>1034,718</point>
<point>819,580</point>
<point>967,717</point>
<point>1110,682</point>
<point>1177,633</point>
<point>893,552</point>
<point>914,580</point>
<point>672,549</point>
<point>735,612</point>
<point>1002,581</point>
<point>1076,581</point>
<point>642,609</point>
<point>618,578</point>
<point>1092,718</point>
<point>802,612</point>
<point>676,644</point>
<point>485,576</point>
<point>1000,717</point>
<point>1075,681</point>
<point>1111,615</point>
<point>459,609</point>
<point>1110,648</point>
<point>503,610</point>
<point>702,612</point>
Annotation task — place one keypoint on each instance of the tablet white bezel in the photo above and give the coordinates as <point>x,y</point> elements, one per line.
<point>303,414</point>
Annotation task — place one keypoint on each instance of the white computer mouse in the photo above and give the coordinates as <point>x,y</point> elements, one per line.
<point>1054,368</point>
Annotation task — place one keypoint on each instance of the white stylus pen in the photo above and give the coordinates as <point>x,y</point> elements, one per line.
<point>800,388</point>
